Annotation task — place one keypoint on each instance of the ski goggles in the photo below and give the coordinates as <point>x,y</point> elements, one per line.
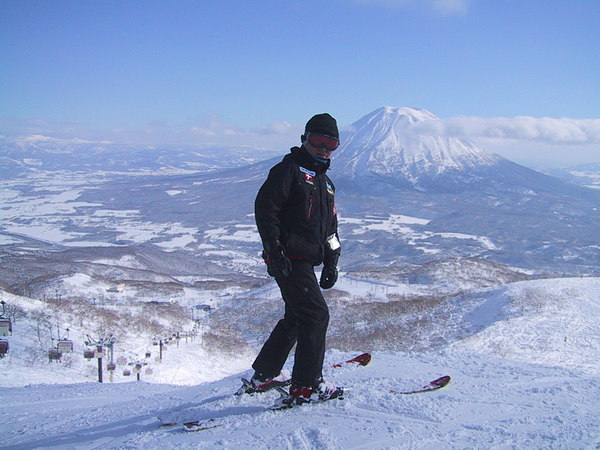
<point>318,140</point>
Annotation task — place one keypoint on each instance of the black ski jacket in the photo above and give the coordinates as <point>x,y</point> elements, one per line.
<point>296,207</point>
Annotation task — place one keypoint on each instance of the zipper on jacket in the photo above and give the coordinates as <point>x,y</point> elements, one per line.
<point>311,201</point>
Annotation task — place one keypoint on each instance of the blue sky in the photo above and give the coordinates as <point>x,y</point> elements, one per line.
<point>206,71</point>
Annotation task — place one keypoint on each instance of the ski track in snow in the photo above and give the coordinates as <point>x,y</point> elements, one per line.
<point>516,383</point>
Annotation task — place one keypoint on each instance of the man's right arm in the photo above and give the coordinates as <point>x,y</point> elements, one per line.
<point>268,207</point>
<point>270,203</point>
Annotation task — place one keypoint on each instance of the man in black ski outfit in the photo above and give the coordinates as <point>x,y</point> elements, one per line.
<point>297,221</point>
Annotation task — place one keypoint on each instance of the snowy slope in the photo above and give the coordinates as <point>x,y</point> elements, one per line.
<point>516,383</point>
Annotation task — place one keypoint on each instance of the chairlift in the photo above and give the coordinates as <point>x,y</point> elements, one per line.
<point>137,368</point>
<point>99,354</point>
<point>89,354</point>
<point>111,366</point>
<point>54,354</point>
<point>148,354</point>
<point>149,371</point>
<point>121,360</point>
<point>5,327</point>
<point>126,373</point>
<point>65,346</point>
<point>3,347</point>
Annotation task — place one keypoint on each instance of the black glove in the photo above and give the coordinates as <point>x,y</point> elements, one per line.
<point>328,277</point>
<point>278,265</point>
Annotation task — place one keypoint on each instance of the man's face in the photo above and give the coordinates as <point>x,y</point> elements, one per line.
<point>318,152</point>
<point>320,145</point>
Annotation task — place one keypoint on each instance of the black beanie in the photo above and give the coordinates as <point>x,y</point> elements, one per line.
<point>324,124</point>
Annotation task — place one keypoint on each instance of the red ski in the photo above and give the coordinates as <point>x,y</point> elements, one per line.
<point>200,425</point>
<point>432,386</point>
<point>361,360</point>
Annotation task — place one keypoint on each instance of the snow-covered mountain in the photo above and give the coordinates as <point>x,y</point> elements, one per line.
<point>390,143</point>
<point>400,147</point>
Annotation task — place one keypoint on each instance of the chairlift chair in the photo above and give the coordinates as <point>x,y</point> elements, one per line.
<point>89,354</point>
<point>111,366</point>
<point>149,371</point>
<point>3,347</point>
<point>65,346</point>
<point>126,373</point>
<point>121,360</point>
<point>54,354</point>
<point>5,327</point>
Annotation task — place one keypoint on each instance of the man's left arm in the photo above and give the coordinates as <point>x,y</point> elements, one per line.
<point>332,251</point>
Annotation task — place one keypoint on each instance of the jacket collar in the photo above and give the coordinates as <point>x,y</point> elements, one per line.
<point>301,155</point>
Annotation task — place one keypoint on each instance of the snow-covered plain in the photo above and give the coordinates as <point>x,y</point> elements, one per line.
<point>523,361</point>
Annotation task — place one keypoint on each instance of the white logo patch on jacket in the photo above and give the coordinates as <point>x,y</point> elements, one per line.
<point>308,175</point>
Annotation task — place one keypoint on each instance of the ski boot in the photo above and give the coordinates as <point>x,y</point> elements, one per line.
<point>299,395</point>
<point>259,384</point>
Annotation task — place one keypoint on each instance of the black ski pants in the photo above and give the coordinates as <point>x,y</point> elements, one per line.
<point>305,323</point>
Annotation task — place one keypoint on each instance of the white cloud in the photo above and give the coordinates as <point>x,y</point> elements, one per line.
<point>211,129</point>
<point>540,129</point>
<point>532,141</point>
<point>214,125</point>
<point>282,127</point>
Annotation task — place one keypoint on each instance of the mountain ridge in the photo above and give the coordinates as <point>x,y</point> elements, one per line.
<point>400,147</point>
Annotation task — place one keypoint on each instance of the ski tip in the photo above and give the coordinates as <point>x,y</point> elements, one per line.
<point>364,359</point>
<point>441,381</point>
<point>434,385</point>
<point>361,360</point>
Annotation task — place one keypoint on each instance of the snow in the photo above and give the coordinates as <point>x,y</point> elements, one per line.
<point>243,233</point>
<point>523,361</point>
<point>411,230</point>
<point>50,211</point>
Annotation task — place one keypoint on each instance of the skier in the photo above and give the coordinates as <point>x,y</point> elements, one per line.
<point>297,222</point>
